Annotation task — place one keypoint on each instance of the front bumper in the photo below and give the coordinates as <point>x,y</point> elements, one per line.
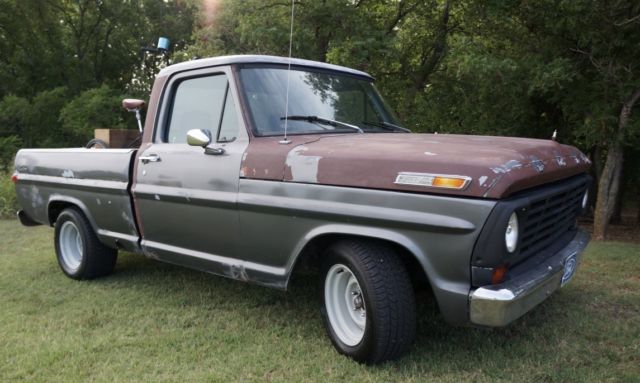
<point>499,305</point>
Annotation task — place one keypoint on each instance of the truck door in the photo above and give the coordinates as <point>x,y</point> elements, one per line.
<point>185,195</point>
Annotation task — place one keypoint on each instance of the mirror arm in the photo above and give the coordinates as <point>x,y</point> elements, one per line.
<point>139,118</point>
<point>213,151</point>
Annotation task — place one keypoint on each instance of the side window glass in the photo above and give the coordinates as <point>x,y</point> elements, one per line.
<point>229,126</point>
<point>197,104</point>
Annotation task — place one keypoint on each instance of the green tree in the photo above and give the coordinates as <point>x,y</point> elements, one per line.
<point>92,109</point>
<point>81,44</point>
<point>44,118</point>
<point>14,117</point>
<point>599,43</point>
<point>9,145</point>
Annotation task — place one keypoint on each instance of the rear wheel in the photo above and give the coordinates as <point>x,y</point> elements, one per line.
<point>368,306</point>
<point>80,254</point>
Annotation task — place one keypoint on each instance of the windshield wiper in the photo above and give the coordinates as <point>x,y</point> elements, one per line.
<point>388,126</point>
<point>322,120</point>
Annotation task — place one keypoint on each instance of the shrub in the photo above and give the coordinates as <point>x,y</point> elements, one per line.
<point>95,108</point>
<point>8,198</point>
<point>8,147</point>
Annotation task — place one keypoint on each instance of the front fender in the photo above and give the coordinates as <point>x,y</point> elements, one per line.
<point>358,231</point>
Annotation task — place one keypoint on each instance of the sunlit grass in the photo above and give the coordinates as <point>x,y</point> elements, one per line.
<point>155,322</point>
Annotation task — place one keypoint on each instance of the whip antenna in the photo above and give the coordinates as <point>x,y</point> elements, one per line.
<point>286,140</point>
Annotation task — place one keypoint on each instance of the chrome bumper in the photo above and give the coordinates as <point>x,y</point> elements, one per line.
<point>499,305</point>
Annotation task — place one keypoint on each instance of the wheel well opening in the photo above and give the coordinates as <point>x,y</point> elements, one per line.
<point>55,208</point>
<point>309,259</point>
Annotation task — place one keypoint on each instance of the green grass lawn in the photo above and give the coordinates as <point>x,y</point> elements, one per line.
<point>156,322</point>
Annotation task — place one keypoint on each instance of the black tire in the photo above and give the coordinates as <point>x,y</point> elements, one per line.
<point>389,302</point>
<point>96,143</point>
<point>85,257</point>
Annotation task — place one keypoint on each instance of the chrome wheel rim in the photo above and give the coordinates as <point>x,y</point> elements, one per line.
<point>344,302</point>
<point>70,244</point>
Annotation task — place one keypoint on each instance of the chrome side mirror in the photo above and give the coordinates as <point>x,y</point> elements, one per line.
<point>198,137</point>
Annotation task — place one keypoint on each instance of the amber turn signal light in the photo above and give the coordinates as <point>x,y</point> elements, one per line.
<point>499,273</point>
<point>450,183</point>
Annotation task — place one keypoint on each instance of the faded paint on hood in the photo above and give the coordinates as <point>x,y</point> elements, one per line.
<point>498,166</point>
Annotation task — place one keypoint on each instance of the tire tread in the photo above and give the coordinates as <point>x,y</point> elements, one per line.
<point>392,296</point>
<point>100,260</point>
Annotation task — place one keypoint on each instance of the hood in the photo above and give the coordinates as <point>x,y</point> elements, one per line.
<point>497,166</point>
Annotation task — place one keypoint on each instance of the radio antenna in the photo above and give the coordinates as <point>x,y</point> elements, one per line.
<point>286,140</point>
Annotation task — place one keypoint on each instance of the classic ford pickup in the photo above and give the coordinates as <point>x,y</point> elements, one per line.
<point>252,167</point>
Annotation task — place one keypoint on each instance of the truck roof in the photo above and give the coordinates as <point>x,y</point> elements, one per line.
<point>256,59</point>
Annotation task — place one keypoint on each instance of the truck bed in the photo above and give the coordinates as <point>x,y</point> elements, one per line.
<point>98,181</point>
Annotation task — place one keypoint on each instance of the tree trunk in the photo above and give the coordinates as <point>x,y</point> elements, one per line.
<point>609,183</point>
<point>607,191</point>
<point>616,215</point>
<point>638,203</point>
<point>430,60</point>
<point>595,171</point>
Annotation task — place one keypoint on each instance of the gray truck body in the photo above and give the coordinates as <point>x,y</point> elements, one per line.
<point>260,209</point>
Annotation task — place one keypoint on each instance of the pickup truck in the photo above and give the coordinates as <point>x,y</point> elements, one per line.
<point>255,167</point>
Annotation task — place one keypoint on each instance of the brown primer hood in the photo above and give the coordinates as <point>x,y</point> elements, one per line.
<point>498,166</point>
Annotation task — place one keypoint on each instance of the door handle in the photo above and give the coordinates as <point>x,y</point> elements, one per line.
<point>150,158</point>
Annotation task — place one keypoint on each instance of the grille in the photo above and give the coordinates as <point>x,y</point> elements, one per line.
<point>550,217</point>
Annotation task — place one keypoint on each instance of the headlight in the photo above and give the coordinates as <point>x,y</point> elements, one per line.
<point>511,234</point>
<point>585,200</point>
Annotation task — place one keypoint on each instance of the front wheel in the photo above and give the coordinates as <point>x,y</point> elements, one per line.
<point>368,305</point>
<point>80,254</point>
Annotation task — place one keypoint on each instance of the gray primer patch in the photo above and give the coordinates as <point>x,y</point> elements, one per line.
<point>238,272</point>
<point>560,160</point>
<point>68,174</point>
<point>507,167</point>
<point>303,168</point>
<point>482,180</point>
<point>585,158</point>
<point>493,184</point>
<point>36,197</point>
<point>129,222</point>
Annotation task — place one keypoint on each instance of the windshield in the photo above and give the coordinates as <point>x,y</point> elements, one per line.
<point>314,99</point>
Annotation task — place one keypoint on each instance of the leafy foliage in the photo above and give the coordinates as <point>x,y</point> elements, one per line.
<point>82,44</point>
<point>91,109</point>
<point>8,147</point>
<point>78,57</point>
<point>8,198</point>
